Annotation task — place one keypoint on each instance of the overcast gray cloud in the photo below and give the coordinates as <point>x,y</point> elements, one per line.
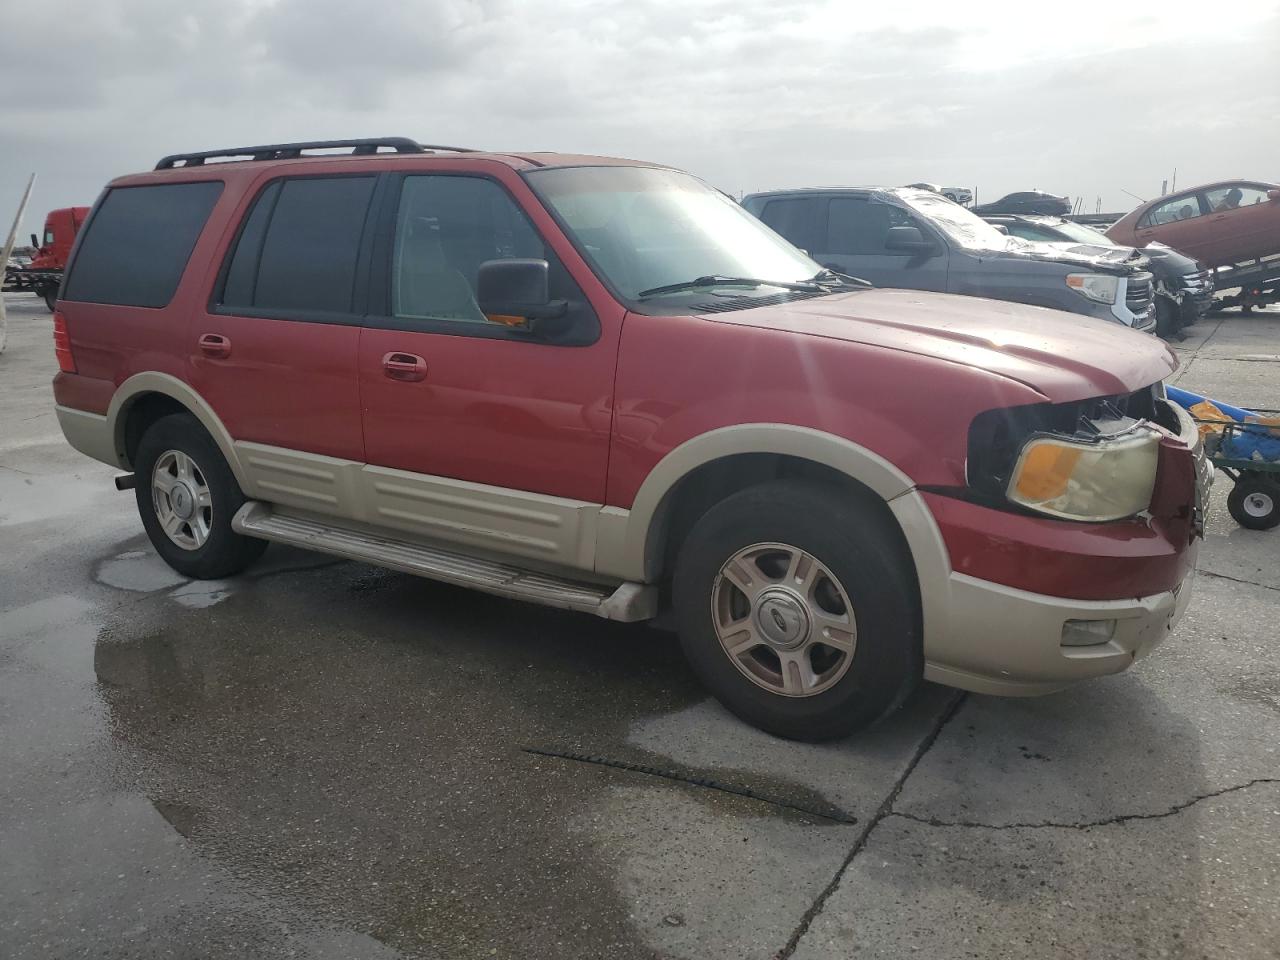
<point>748,95</point>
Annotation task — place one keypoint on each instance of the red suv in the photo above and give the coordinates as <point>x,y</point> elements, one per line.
<point>601,385</point>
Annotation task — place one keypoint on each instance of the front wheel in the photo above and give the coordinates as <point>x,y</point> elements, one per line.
<point>50,295</point>
<point>1253,502</point>
<point>797,609</point>
<point>187,496</point>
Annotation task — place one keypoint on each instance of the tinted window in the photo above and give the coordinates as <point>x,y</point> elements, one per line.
<point>1181,208</point>
<point>798,219</point>
<point>137,246</point>
<point>859,226</point>
<point>242,276</point>
<point>309,232</point>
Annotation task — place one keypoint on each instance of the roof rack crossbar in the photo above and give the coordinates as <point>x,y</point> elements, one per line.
<point>290,151</point>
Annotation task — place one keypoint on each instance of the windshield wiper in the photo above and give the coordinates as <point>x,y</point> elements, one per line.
<point>826,275</point>
<point>805,286</point>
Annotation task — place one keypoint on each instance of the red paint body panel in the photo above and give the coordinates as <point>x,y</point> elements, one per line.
<point>89,394</point>
<point>869,366</point>
<point>286,383</point>
<point>500,412</point>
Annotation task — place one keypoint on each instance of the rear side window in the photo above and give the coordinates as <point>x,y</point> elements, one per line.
<point>800,220</point>
<point>299,247</point>
<point>1171,211</point>
<point>137,245</point>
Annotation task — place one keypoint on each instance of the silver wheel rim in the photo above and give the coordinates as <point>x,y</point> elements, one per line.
<point>1258,505</point>
<point>183,503</point>
<point>784,620</point>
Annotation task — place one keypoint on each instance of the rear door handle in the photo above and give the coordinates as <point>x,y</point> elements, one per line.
<point>404,366</point>
<point>214,345</point>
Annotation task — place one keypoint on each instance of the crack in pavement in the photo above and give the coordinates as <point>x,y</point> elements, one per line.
<point>1088,824</point>
<point>1222,576</point>
<point>835,817</point>
<point>884,810</point>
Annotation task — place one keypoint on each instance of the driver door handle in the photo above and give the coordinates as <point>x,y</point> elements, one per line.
<point>408,367</point>
<point>214,345</point>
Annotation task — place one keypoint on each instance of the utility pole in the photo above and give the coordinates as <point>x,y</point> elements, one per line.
<point>8,249</point>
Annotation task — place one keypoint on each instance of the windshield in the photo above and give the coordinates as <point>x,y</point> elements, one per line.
<point>644,229</point>
<point>1082,234</point>
<point>963,226</point>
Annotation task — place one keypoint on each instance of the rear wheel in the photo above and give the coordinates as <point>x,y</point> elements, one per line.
<point>797,610</point>
<point>187,496</point>
<point>1254,502</point>
<point>50,295</point>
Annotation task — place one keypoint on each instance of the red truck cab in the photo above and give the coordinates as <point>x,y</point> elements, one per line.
<point>602,385</point>
<point>60,230</point>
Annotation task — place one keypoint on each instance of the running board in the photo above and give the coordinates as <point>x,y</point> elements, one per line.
<point>627,602</point>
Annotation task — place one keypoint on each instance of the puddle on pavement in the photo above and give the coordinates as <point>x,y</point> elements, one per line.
<point>139,570</point>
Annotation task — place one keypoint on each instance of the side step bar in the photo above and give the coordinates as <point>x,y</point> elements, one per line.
<point>627,602</point>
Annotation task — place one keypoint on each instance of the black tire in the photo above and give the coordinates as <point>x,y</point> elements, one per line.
<point>1254,502</point>
<point>862,548</point>
<point>1168,320</point>
<point>50,295</point>
<point>224,552</point>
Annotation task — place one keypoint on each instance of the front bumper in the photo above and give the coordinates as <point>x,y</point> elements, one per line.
<point>1008,642</point>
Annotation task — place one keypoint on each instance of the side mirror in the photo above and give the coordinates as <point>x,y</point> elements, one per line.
<point>35,242</point>
<point>1273,195</point>
<point>907,240</point>
<point>516,293</point>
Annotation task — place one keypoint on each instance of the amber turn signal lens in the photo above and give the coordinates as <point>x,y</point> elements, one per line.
<point>1045,471</point>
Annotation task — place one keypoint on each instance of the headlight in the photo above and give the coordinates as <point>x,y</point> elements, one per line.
<point>1095,286</point>
<point>1106,479</point>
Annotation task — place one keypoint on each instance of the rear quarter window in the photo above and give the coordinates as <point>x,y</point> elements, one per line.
<point>137,245</point>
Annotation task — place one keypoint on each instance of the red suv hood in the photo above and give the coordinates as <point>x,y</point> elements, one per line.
<point>1063,356</point>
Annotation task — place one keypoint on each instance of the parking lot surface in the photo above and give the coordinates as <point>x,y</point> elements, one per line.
<point>326,760</point>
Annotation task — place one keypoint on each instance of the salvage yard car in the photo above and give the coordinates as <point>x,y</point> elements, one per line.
<point>602,385</point>
<point>1183,287</point>
<point>905,237</point>
<point>1223,223</point>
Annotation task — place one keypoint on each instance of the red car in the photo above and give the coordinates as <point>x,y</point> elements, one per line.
<point>1219,223</point>
<point>602,385</point>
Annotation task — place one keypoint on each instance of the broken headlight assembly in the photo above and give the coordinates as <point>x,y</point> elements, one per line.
<point>1092,461</point>
<point>1096,286</point>
<point>1098,479</point>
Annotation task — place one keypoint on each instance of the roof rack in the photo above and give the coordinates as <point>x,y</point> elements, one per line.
<point>291,151</point>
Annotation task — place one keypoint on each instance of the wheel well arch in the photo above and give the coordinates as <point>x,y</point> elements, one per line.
<point>745,453</point>
<point>714,481</point>
<point>141,411</point>
<point>145,397</point>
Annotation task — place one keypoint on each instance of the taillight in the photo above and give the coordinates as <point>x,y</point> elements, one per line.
<point>62,344</point>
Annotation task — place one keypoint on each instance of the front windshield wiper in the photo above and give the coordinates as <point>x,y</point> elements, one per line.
<point>826,275</point>
<point>805,286</point>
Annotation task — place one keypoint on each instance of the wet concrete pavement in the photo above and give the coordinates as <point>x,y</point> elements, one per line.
<point>327,760</point>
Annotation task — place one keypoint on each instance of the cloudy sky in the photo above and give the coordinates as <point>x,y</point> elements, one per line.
<point>1085,99</point>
